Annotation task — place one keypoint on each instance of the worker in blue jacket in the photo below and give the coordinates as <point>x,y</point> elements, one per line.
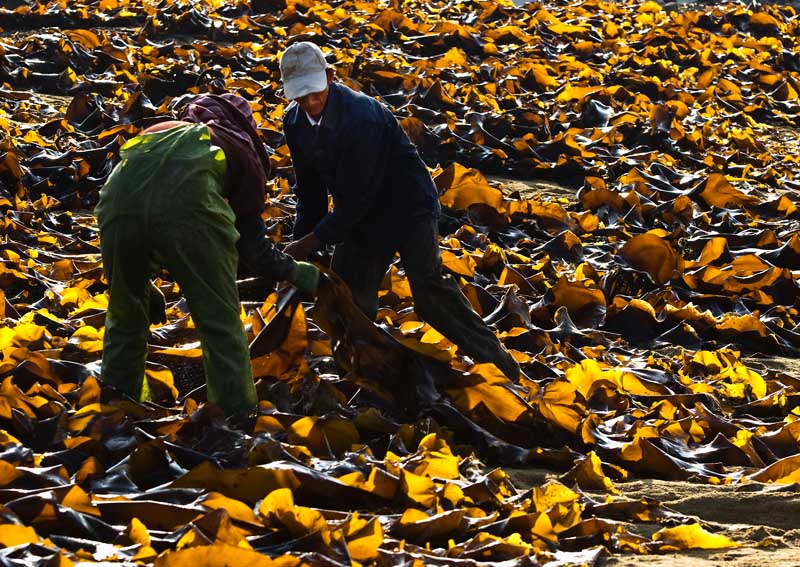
<point>349,146</point>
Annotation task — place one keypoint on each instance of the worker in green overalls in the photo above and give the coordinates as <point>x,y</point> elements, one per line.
<point>174,200</point>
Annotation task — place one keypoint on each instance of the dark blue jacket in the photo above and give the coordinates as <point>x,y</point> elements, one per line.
<point>362,157</point>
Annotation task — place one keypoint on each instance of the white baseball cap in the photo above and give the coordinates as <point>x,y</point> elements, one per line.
<point>303,70</point>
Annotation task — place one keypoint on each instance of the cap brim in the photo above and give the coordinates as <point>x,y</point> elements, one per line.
<point>297,87</point>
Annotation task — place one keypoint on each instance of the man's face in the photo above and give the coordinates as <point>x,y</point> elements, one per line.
<point>313,103</point>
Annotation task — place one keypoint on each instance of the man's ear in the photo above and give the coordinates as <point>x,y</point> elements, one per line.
<point>331,73</point>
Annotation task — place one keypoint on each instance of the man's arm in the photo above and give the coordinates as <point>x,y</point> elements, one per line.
<point>312,196</point>
<point>257,253</point>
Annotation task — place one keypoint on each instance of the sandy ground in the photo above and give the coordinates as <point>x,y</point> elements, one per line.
<point>765,519</point>
<point>535,187</point>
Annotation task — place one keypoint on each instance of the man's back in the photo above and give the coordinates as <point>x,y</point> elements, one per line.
<point>165,171</point>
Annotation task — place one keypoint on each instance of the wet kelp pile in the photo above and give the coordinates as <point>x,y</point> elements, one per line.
<point>633,306</point>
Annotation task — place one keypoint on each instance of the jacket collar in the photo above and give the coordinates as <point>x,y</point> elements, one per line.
<point>331,114</point>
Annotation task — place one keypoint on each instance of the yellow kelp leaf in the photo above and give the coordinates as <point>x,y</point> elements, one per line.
<point>552,494</point>
<point>218,555</point>
<point>642,453</point>
<point>744,440</point>
<point>576,296</point>
<point>588,474</point>
<point>418,488</point>
<point>542,526</point>
<point>399,284</point>
<point>12,397</point>
<point>785,205</point>
<point>32,137</point>
<point>585,271</point>
<point>90,469</point>
<point>411,327</point>
<point>75,297</point>
<point>24,335</point>
<point>33,362</point>
<point>685,429</point>
<point>714,249</point>
<point>576,93</point>
<point>513,31</point>
<point>418,526</point>
<point>739,373</point>
<point>277,501</point>
<point>62,270</point>
<point>691,536</point>
<point>709,361</point>
<point>137,532</point>
<point>510,276</point>
<point>8,473</point>
<point>89,392</point>
<point>432,337</point>
<point>651,254</point>
<point>97,301</point>
<point>77,499</point>
<point>86,38</point>
<point>464,187</point>
<point>144,554</point>
<point>215,527</point>
<point>719,192</point>
<point>491,393</point>
<point>11,535</point>
<point>378,482</point>
<point>784,471</point>
<point>247,485</point>
<point>561,505</point>
<point>587,222</point>
<point>650,7</point>
<point>453,494</point>
<point>289,355</point>
<point>556,405</point>
<point>588,373</point>
<point>463,265</point>
<point>433,442</point>
<point>363,537</point>
<point>541,73</point>
<point>749,263</point>
<point>454,57</point>
<point>7,439</point>
<point>599,196</point>
<point>584,376</point>
<point>278,508</point>
<point>763,19</point>
<point>324,436</point>
<point>88,339</point>
<point>160,384</point>
<point>236,509</point>
<point>742,324</point>
<point>438,464</point>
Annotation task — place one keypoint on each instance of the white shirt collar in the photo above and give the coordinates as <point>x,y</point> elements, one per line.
<point>312,121</point>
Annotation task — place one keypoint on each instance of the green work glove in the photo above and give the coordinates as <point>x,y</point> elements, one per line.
<point>305,277</point>
<point>158,306</point>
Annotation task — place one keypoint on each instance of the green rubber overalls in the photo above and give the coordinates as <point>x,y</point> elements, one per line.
<point>163,206</point>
